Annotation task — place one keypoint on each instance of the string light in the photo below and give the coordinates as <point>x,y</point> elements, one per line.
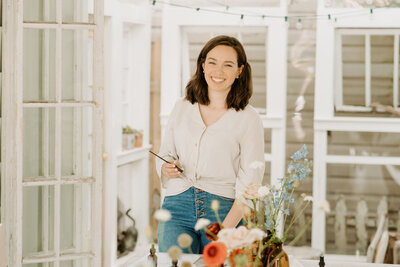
<point>299,24</point>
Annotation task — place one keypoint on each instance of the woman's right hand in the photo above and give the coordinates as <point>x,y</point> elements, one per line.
<point>169,169</point>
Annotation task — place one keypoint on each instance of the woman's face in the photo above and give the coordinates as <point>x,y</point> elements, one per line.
<point>221,68</point>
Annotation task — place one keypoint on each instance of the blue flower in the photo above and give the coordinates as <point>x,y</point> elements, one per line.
<point>289,185</point>
<point>300,154</point>
<point>287,212</point>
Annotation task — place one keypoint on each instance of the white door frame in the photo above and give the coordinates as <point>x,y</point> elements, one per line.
<point>173,19</point>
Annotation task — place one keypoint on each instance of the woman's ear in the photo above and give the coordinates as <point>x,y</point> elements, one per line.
<point>240,70</point>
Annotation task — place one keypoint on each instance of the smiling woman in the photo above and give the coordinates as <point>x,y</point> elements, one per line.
<point>214,136</point>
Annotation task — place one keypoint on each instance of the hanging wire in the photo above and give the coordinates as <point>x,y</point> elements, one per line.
<point>350,13</point>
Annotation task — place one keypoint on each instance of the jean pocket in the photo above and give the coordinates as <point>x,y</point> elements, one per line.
<point>224,198</point>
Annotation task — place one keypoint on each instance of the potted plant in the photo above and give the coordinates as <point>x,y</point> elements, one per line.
<point>128,137</point>
<point>138,138</point>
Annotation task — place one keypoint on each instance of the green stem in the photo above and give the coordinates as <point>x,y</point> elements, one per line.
<point>255,211</point>
<point>285,216</point>
<point>301,233</point>
<point>296,217</point>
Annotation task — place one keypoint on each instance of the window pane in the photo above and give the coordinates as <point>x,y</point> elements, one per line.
<point>76,263</point>
<point>38,142</point>
<point>353,69</point>
<point>77,11</point>
<point>382,48</point>
<point>40,10</point>
<point>267,140</point>
<point>76,144</point>
<point>267,174</point>
<point>364,144</point>
<point>348,186</point>
<point>38,220</point>
<point>75,229</point>
<point>77,67</point>
<point>39,78</point>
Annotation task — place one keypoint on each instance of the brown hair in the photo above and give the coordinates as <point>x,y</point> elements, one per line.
<point>242,88</point>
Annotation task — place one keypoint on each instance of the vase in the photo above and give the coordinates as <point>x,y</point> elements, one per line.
<point>274,256</point>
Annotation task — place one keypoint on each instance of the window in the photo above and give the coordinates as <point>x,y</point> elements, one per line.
<point>367,70</point>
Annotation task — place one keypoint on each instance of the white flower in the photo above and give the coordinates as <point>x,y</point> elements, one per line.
<point>324,205</point>
<point>215,205</point>
<point>239,237</point>
<point>251,191</point>
<point>256,165</point>
<point>308,198</point>
<point>162,215</point>
<point>263,191</point>
<point>201,223</point>
<point>184,240</point>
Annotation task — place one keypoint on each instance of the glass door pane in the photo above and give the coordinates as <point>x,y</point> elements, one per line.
<point>39,78</point>
<point>38,221</point>
<point>77,11</point>
<point>76,213</point>
<point>77,67</point>
<point>39,10</point>
<point>38,143</point>
<point>76,147</point>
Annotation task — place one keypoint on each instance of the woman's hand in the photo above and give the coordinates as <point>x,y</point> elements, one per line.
<point>169,169</point>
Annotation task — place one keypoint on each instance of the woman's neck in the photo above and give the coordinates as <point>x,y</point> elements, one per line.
<point>217,100</point>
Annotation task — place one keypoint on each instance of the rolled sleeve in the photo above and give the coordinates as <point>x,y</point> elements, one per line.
<point>252,164</point>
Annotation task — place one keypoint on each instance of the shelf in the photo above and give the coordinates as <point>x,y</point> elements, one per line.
<point>141,251</point>
<point>133,155</point>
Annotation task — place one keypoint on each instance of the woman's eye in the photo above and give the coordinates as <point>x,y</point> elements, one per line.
<point>212,63</point>
<point>228,65</point>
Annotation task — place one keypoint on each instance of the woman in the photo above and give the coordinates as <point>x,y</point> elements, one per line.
<point>214,136</point>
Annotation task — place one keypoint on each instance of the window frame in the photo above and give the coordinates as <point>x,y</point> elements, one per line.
<point>339,106</point>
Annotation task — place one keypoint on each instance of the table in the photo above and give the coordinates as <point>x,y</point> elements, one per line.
<point>196,260</point>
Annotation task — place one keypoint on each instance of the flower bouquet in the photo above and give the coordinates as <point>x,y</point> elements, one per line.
<point>259,241</point>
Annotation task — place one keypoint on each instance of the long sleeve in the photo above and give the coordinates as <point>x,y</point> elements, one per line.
<point>168,148</point>
<point>251,163</point>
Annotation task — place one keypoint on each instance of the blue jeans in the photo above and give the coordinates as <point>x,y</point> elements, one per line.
<point>186,208</point>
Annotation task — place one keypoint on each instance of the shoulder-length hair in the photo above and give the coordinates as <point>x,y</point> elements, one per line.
<point>242,88</point>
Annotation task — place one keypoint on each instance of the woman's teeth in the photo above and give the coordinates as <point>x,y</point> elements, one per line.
<point>217,80</point>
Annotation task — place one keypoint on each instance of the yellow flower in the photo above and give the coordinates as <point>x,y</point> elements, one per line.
<point>215,205</point>
<point>186,264</point>
<point>174,252</point>
<point>184,240</point>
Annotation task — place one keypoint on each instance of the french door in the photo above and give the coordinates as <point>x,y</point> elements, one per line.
<point>52,132</point>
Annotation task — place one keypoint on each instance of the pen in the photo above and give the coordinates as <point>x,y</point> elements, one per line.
<point>179,169</point>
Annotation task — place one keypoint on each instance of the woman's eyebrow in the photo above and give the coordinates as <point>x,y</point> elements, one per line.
<point>228,61</point>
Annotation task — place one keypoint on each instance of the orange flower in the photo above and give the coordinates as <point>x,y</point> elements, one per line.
<point>214,254</point>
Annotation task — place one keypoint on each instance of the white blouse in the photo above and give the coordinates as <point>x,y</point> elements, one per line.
<point>221,158</point>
